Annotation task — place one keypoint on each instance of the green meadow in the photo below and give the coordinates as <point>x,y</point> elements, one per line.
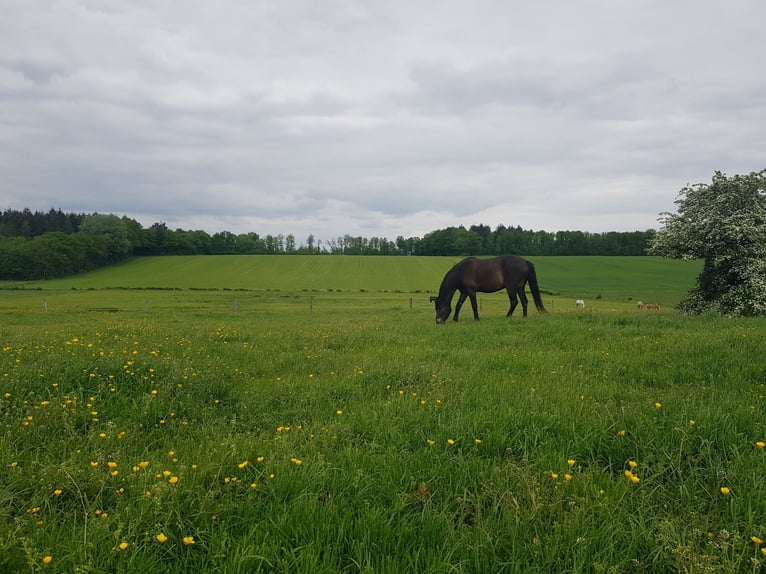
<point>306,414</point>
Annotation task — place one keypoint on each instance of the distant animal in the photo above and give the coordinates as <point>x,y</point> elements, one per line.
<point>472,275</point>
<point>580,304</point>
<point>640,305</point>
<point>652,306</point>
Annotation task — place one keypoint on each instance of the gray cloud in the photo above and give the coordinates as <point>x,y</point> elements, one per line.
<point>376,118</point>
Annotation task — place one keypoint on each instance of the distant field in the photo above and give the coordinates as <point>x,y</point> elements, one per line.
<point>611,278</point>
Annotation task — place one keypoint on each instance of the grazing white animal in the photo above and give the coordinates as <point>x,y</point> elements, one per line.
<point>580,304</point>
<point>640,305</point>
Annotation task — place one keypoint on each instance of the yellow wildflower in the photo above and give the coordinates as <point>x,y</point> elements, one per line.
<point>725,490</point>
<point>188,540</point>
<point>162,538</point>
<point>123,545</point>
<point>47,559</point>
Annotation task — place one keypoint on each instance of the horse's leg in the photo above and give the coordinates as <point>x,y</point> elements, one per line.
<point>460,302</point>
<point>472,295</point>
<point>523,297</point>
<point>514,302</point>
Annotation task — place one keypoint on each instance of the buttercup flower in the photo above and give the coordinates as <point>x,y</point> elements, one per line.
<point>162,538</point>
<point>188,540</point>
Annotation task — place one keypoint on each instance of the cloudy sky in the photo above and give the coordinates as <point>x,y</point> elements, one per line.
<point>377,118</point>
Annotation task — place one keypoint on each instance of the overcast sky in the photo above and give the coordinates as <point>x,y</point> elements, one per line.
<point>377,118</point>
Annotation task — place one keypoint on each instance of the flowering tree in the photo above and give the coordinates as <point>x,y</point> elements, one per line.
<point>724,224</point>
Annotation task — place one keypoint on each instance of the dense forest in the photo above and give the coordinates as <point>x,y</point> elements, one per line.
<point>44,245</point>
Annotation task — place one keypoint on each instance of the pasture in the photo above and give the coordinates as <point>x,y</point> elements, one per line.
<point>170,415</point>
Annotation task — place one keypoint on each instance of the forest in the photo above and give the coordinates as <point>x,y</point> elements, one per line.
<point>45,245</point>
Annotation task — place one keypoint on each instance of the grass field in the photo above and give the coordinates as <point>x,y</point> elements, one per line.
<point>264,278</point>
<point>225,426</point>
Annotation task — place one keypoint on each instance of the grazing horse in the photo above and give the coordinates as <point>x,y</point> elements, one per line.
<point>653,306</point>
<point>472,275</point>
<point>580,304</point>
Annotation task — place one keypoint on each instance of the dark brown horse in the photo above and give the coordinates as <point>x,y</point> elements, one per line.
<point>473,275</point>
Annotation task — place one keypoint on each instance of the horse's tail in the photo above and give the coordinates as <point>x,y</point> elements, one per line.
<point>532,278</point>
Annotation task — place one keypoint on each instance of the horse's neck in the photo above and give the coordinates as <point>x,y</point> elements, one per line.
<point>446,292</point>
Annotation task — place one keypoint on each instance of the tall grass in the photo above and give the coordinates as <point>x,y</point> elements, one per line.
<point>369,439</point>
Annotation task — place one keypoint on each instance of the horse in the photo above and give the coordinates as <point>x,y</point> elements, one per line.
<point>640,305</point>
<point>651,306</point>
<point>580,304</point>
<point>472,275</point>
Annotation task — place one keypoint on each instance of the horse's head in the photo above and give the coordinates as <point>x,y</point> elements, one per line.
<point>443,309</point>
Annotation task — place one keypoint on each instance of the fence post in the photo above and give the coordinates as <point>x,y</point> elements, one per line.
<point>311,304</point>
<point>236,304</point>
<point>45,304</point>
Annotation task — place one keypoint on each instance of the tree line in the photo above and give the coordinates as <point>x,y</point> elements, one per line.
<point>45,245</point>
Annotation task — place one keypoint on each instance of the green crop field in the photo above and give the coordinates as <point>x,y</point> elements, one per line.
<point>306,414</point>
<point>616,279</point>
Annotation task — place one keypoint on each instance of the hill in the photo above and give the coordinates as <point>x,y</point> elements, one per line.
<point>621,278</point>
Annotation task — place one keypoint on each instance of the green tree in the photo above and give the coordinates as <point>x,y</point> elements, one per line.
<point>724,224</point>
<point>112,229</point>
